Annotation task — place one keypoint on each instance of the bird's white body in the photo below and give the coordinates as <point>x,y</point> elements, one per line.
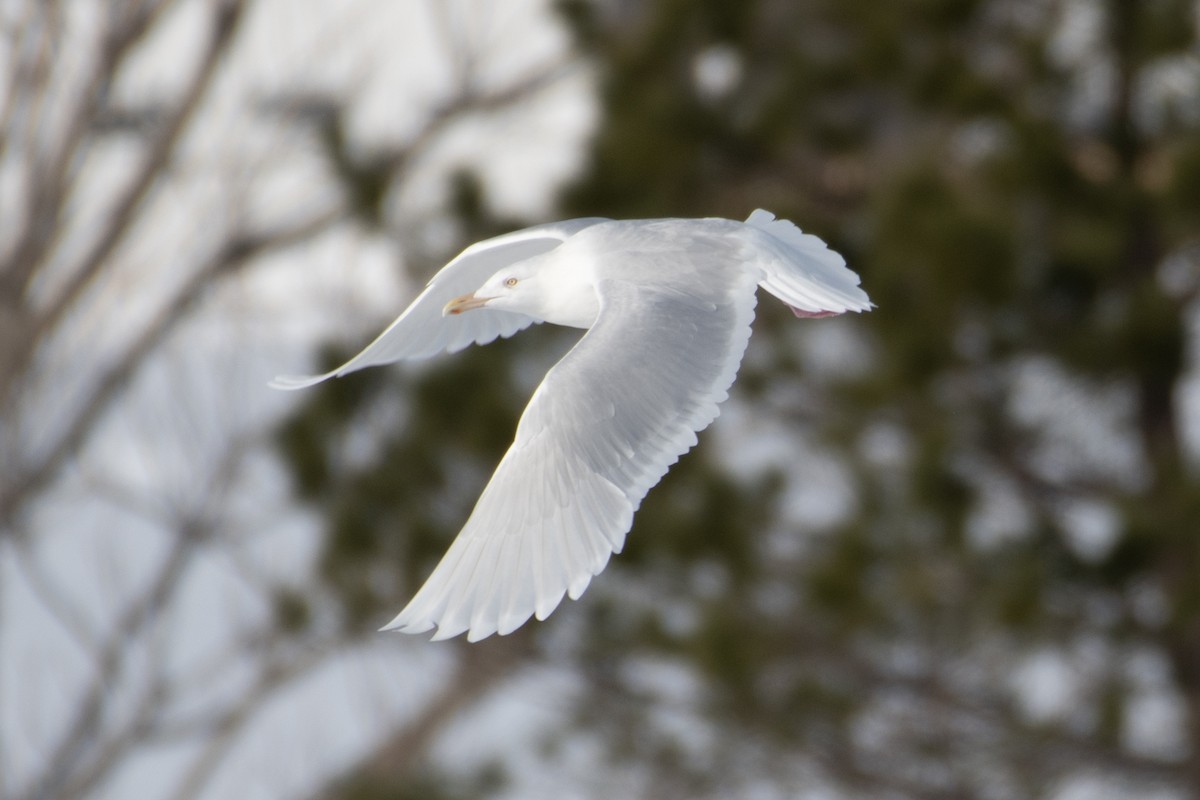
<point>668,305</point>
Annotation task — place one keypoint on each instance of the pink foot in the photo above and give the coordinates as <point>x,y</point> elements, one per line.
<point>813,314</point>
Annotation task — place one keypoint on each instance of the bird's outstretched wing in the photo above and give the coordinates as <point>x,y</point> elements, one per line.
<point>421,331</point>
<point>602,429</point>
<point>801,270</point>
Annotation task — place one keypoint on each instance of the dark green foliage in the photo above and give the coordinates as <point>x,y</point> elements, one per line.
<point>427,785</point>
<point>400,507</point>
<point>930,141</point>
<point>292,611</point>
<point>305,440</point>
<point>1011,241</point>
<point>364,178</point>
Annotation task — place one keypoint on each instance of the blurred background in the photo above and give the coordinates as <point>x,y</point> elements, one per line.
<point>947,549</point>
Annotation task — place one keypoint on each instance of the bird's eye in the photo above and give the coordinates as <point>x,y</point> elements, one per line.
<point>511,282</point>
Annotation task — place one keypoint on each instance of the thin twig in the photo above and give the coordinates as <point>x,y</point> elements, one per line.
<point>224,25</point>
<point>49,186</point>
<point>79,732</point>
<point>227,726</point>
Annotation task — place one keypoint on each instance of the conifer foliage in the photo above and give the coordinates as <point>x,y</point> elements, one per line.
<point>947,549</point>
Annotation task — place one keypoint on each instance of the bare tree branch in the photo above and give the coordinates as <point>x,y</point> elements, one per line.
<point>48,188</point>
<point>226,727</point>
<point>477,672</point>
<point>125,700</point>
<point>127,24</point>
<point>54,600</point>
<point>472,102</point>
<point>224,26</point>
<point>36,31</point>
<point>236,255</point>
<point>87,753</point>
<point>89,716</point>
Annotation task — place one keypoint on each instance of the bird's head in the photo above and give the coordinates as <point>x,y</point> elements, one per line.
<point>515,288</point>
<point>539,287</point>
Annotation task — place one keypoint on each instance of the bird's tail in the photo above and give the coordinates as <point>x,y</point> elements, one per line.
<point>803,272</point>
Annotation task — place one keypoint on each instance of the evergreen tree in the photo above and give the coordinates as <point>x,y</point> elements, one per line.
<point>995,589</point>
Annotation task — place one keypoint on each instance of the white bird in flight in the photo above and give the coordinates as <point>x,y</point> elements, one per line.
<point>667,304</point>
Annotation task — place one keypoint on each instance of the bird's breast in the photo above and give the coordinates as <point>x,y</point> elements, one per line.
<point>569,294</point>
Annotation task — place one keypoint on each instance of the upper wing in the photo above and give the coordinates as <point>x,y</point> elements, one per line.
<point>603,428</point>
<point>801,270</point>
<point>421,331</point>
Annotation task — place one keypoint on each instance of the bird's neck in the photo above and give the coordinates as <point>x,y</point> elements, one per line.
<point>570,298</point>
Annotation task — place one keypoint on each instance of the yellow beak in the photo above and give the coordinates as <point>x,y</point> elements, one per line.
<point>466,302</point>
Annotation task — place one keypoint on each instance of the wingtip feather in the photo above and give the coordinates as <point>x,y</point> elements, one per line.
<point>290,383</point>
